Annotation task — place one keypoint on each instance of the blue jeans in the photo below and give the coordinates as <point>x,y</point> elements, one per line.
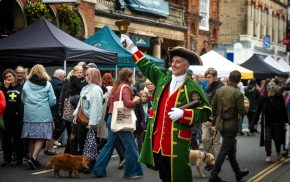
<point>132,166</point>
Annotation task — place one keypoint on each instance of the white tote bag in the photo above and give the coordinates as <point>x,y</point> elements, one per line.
<point>123,119</point>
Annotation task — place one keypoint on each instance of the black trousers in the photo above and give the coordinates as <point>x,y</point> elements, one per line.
<point>228,148</point>
<point>68,130</point>
<point>59,125</point>
<point>275,133</point>
<point>77,143</point>
<point>11,140</point>
<point>251,118</point>
<point>163,165</point>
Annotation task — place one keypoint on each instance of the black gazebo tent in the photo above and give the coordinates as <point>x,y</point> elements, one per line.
<point>261,69</point>
<point>44,43</point>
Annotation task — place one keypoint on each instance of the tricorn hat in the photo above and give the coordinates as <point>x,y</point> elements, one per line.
<point>189,55</point>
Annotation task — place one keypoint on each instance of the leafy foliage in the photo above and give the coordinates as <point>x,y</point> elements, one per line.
<point>69,19</point>
<point>34,10</point>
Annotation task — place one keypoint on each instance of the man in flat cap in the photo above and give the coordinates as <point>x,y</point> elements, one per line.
<point>167,141</point>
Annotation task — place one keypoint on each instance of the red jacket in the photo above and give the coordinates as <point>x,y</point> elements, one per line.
<point>2,103</point>
<point>127,97</point>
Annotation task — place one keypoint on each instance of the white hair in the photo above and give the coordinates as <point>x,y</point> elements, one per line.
<point>58,73</point>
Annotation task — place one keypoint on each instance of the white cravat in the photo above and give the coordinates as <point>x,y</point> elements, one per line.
<point>176,81</point>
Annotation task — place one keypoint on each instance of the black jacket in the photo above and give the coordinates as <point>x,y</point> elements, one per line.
<point>14,106</point>
<point>253,94</point>
<point>273,110</point>
<point>211,89</point>
<point>57,85</point>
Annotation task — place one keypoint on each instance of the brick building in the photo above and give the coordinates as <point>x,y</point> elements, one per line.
<point>166,23</point>
<point>253,27</point>
<point>203,24</point>
<point>12,18</point>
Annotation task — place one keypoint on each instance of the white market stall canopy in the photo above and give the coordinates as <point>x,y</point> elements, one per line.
<point>221,64</point>
<point>283,63</point>
<point>272,62</point>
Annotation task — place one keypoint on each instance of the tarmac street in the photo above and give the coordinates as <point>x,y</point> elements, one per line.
<point>249,155</point>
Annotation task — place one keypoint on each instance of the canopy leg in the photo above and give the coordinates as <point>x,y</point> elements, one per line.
<point>64,66</point>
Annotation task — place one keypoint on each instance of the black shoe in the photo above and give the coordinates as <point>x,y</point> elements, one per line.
<point>19,162</point>
<point>285,153</point>
<point>37,164</point>
<point>31,164</point>
<point>215,178</point>
<point>6,164</point>
<point>34,163</point>
<point>87,171</point>
<point>242,174</point>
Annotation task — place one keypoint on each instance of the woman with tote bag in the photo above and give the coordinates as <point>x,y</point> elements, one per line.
<point>132,166</point>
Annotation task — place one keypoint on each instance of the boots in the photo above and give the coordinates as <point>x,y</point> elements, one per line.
<point>215,178</point>
<point>241,174</point>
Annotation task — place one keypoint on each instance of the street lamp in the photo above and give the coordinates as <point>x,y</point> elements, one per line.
<point>123,25</point>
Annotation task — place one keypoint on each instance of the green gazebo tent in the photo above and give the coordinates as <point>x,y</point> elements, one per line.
<point>106,39</point>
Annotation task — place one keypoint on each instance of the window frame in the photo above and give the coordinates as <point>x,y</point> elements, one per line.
<point>205,19</point>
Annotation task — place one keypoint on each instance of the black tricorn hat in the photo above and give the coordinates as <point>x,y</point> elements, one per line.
<point>189,55</point>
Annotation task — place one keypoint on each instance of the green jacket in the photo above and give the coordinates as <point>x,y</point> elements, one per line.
<point>227,104</point>
<point>189,91</point>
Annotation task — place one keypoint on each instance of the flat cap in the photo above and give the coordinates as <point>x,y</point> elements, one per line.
<point>90,65</point>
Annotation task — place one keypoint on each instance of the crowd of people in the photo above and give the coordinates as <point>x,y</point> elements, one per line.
<point>37,110</point>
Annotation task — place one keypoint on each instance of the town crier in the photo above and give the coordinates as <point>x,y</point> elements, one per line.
<point>169,129</point>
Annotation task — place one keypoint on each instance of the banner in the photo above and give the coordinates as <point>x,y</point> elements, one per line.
<point>157,7</point>
<point>140,41</point>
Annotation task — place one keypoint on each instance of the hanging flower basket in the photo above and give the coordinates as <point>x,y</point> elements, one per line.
<point>34,10</point>
<point>69,19</point>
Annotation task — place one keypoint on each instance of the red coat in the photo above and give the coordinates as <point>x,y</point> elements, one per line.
<point>2,103</point>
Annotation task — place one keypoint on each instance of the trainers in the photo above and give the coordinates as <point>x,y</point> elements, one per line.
<point>6,164</point>
<point>268,159</point>
<point>134,177</point>
<point>121,164</point>
<point>56,143</point>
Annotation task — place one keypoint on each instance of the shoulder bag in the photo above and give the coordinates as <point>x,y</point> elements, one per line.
<point>82,118</point>
<point>123,118</point>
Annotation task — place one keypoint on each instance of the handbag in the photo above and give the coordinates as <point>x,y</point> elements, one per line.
<point>67,110</point>
<point>90,147</point>
<point>81,117</point>
<point>123,118</point>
